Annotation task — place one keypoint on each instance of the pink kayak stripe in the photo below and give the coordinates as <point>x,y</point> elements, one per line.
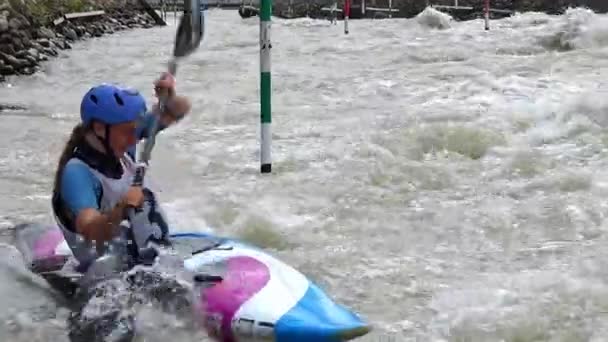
<point>45,246</point>
<point>244,277</point>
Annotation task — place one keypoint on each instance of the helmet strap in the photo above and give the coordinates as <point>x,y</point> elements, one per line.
<point>105,141</point>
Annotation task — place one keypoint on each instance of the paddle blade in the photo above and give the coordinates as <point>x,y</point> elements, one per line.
<point>190,30</point>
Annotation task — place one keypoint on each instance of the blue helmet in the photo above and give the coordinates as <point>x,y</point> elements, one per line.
<point>111,105</point>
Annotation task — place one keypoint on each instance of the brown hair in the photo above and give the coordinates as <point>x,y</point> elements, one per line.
<point>76,138</point>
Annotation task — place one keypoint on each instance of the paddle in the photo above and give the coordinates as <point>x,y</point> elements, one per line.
<point>187,39</point>
<point>189,35</point>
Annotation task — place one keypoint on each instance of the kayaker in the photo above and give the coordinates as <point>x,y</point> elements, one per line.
<point>93,189</point>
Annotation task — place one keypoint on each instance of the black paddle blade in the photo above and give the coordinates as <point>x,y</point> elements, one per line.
<point>190,30</point>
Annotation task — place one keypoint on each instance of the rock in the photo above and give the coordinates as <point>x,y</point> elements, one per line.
<point>18,44</point>
<point>70,34</point>
<point>21,54</point>
<point>3,23</point>
<point>50,52</point>
<point>7,48</point>
<point>6,38</point>
<point>36,45</point>
<point>44,42</point>
<point>15,62</point>
<point>44,32</point>
<point>25,41</point>
<point>15,24</point>
<point>96,31</point>
<point>28,70</point>
<point>33,53</point>
<point>62,44</point>
<point>31,61</point>
<point>80,30</point>
<point>7,70</point>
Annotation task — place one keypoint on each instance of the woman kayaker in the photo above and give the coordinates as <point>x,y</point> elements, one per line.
<point>93,190</point>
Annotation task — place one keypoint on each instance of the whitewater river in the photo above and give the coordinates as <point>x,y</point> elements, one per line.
<point>447,183</point>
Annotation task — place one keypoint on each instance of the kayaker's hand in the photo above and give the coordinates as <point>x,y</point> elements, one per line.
<point>176,106</point>
<point>164,87</point>
<point>134,197</point>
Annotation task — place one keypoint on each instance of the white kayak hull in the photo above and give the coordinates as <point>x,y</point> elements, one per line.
<point>252,296</point>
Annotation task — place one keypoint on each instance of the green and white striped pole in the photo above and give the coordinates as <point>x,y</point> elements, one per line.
<point>265,84</point>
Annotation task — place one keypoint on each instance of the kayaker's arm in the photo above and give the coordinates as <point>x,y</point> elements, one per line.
<point>177,108</point>
<point>100,227</point>
<point>80,192</point>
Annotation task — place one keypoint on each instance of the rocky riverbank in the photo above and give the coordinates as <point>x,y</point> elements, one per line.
<point>29,37</point>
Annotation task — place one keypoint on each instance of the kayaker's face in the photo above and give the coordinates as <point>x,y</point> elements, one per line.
<point>122,136</point>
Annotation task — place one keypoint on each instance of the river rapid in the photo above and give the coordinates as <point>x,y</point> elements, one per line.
<point>447,183</point>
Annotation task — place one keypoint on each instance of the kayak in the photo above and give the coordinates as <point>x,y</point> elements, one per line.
<point>247,295</point>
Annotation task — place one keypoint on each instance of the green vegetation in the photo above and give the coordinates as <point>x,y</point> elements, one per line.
<point>44,12</point>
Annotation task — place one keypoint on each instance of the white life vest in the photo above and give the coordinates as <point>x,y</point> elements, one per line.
<point>149,223</point>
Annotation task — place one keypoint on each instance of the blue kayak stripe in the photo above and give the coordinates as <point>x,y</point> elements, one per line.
<point>191,235</point>
<point>316,318</point>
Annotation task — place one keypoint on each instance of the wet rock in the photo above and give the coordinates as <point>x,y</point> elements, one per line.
<point>60,44</point>
<point>79,30</point>
<point>28,71</point>
<point>7,48</point>
<point>45,33</point>
<point>44,42</point>
<point>13,61</point>
<point>17,43</point>
<point>6,70</point>
<point>25,42</point>
<point>30,56</point>
<point>70,34</point>
<point>50,52</point>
